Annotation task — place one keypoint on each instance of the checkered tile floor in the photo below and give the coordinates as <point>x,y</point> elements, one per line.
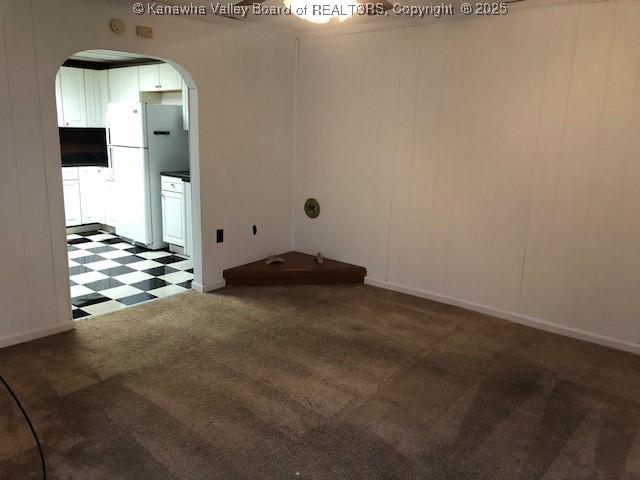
<point>108,273</point>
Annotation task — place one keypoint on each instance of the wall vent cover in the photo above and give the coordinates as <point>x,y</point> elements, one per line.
<point>312,208</point>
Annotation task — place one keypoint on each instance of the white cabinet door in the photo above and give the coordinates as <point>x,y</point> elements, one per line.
<point>159,78</point>
<point>91,195</point>
<point>188,240</point>
<point>173,218</point>
<point>74,110</point>
<point>149,78</point>
<point>123,85</point>
<point>169,77</point>
<point>72,211</point>
<point>59,101</point>
<point>96,86</point>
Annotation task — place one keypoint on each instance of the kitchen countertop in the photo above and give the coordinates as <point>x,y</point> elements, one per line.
<point>185,176</point>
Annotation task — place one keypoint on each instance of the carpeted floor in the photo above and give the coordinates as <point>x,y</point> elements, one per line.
<point>318,382</point>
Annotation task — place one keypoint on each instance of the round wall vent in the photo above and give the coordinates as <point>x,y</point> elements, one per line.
<point>312,208</point>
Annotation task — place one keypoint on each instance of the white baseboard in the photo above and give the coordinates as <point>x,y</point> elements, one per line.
<point>198,287</point>
<point>511,316</point>
<point>32,335</point>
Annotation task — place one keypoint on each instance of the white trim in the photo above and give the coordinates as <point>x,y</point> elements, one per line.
<point>198,287</point>
<point>32,335</point>
<point>510,316</point>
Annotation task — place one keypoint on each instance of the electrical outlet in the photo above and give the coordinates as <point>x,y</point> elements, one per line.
<point>219,235</point>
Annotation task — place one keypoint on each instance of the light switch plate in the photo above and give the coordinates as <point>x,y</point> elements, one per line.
<point>143,31</point>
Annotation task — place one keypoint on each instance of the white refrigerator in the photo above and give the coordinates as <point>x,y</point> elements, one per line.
<point>143,140</point>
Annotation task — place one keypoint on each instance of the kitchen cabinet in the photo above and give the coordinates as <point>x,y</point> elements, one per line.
<point>82,95</point>
<point>170,78</point>
<point>173,219</point>
<point>159,78</point>
<point>123,85</point>
<point>87,195</point>
<point>72,97</point>
<point>149,78</point>
<point>188,241</point>
<point>72,211</point>
<point>174,227</point>
<point>92,197</point>
<point>96,86</point>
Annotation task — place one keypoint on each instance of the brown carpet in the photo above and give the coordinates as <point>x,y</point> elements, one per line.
<point>318,382</point>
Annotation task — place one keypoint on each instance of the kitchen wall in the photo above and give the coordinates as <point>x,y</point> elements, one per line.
<point>492,163</point>
<point>244,76</point>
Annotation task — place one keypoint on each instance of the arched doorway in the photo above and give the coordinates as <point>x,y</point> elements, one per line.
<point>129,158</point>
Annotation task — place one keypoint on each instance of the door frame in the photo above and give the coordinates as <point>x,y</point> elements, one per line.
<point>64,298</point>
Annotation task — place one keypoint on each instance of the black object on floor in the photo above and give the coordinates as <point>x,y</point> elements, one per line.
<point>33,430</point>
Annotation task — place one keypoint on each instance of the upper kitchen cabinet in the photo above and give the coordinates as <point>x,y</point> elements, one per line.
<point>72,97</point>
<point>159,78</point>
<point>149,78</point>
<point>96,86</point>
<point>170,79</point>
<point>123,85</point>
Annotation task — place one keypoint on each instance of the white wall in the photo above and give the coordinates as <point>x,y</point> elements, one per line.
<point>244,77</point>
<point>493,162</point>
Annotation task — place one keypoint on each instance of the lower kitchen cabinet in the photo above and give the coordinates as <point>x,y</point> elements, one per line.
<point>72,211</point>
<point>188,242</point>
<point>92,197</point>
<point>86,190</point>
<point>173,218</point>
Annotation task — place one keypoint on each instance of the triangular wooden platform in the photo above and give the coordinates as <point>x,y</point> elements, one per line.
<point>298,268</point>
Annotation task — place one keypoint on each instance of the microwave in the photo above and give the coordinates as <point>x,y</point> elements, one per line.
<point>83,147</point>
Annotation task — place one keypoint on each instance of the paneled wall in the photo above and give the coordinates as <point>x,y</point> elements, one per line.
<point>491,162</point>
<point>246,115</point>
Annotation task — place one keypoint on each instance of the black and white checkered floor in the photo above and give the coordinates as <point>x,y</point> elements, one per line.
<point>108,274</point>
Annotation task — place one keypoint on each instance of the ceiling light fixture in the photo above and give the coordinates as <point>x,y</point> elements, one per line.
<point>316,11</point>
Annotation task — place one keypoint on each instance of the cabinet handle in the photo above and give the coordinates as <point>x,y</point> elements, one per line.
<point>158,86</point>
